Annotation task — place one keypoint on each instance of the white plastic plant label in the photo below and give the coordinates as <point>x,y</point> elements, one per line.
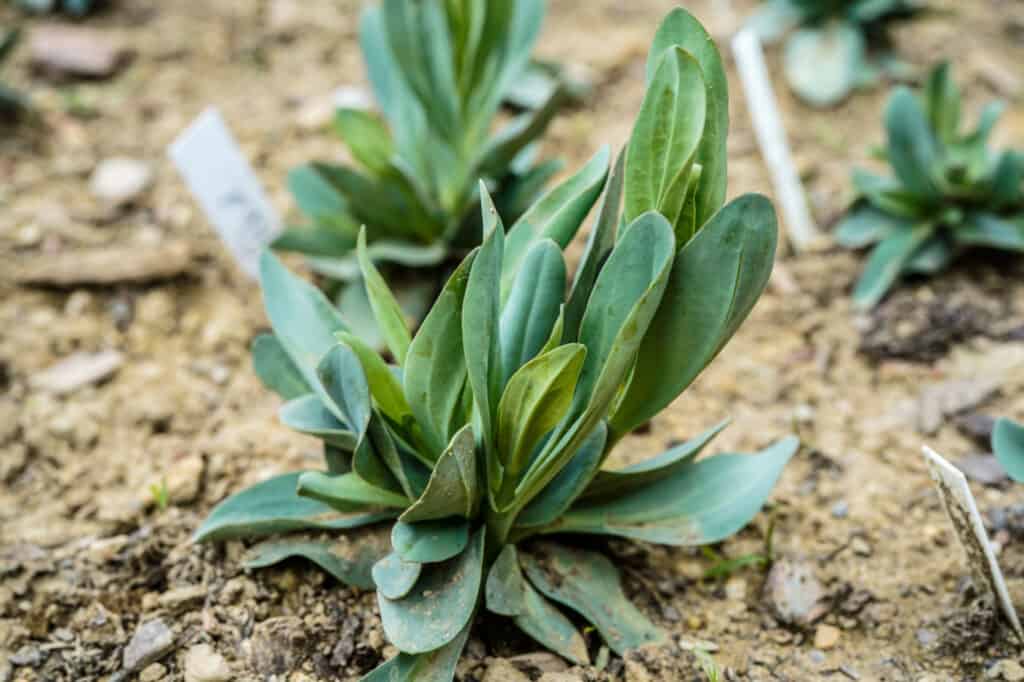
<point>223,182</point>
<point>967,523</point>
<point>771,137</point>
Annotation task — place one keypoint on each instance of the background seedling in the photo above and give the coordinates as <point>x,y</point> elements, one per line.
<point>949,192</point>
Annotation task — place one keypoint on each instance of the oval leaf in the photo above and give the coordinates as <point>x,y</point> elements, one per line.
<point>308,415</point>
<point>394,576</point>
<point>349,564</point>
<point>823,64</point>
<point>453,488</point>
<point>275,369</point>
<point>430,541</point>
<point>1008,445</point>
<point>440,605</point>
<point>347,491</point>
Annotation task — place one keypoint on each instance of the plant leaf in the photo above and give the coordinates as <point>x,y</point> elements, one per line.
<point>683,29</point>
<point>1008,446</point>
<point>599,245</point>
<point>533,306</point>
<point>304,321</point>
<point>887,262</point>
<point>308,415</point>
<point>385,387</point>
<point>567,486</point>
<point>865,225</point>
<point>912,148</point>
<point>933,256</point>
<point>434,666</point>
<point>508,594</point>
<point>387,312</point>
<point>588,583</point>
<point>367,138</point>
<point>435,369</point>
<point>273,506</point>
<point>700,503</point>
<point>428,542</point>
<point>989,230</point>
<point>275,369</point>
<point>440,605</point>
<point>609,483</point>
<point>666,134</point>
<point>481,319</point>
<point>624,301</point>
<point>537,397</point>
<point>715,281</point>
<point>453,488</point>
<point>351,565</point>
<point>823,64</point>
<point>556,216</point>
<point>394,576</point>
<point>347,491</point>
<point>505,589</point>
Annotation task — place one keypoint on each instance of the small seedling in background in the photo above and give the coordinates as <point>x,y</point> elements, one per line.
<point>76,8</point>
<point>12,103</point>
<point>1008,446</point>
<point>160,493</point>
<point>492,427</point>
<point>950,191</point>
<point>440,71</point>
<point>836,45</point>
<point>723,567</point>
<point>708,665</point>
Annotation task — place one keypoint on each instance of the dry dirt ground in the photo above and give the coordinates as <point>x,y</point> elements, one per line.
<point>86,556</point>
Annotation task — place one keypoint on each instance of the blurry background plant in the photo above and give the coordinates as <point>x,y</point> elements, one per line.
<point>950,191</point>
<point>439,71</point>
<point>78,8</point>
<point>837,45</point>
<point>493,424</point>
<point>1008,446</point>
<point>12,103</point>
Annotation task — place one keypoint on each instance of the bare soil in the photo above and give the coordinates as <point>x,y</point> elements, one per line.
<point>86,555</point>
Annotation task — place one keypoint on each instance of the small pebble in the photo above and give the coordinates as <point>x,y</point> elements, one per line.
<point>826,637</point>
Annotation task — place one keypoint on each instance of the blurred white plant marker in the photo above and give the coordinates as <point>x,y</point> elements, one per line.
<point>227,189</point>
<point>771,137</point>
<point>963,514</point>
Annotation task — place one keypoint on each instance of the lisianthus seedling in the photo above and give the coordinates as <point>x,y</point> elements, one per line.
<point>77,8</point>
<point>1008,446</point>
<point>12,103</point>
<point>484,445</point>
<point>949,191</point>
<point>835,45</point>
<point>440,70</point>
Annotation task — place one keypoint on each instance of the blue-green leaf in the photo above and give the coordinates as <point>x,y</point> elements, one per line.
<point>347,492</point>
<point>275,369</point>
<point>428,542</point>
<point>557,215</point>
<point>682,28</point>
<point>387,312</point>
<point>394,576</point>
<point>453,488</point>
<point>346,560</point>
<point>825,63</point>
<point>440,605</point>
<point>1008,445</point>
<point>435,369</point>
<point>887,262</point>
<point>613,483</point>
<point>308,415</point>
<point>700,503</point>
<point>533,306</point>
<point>273,506</point>
<point>715,281</point>
<point>434,666</point>
<point>913,149</point>
<point>304,321</point>
<point>588,583</point>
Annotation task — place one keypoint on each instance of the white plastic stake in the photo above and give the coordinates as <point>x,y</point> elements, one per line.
<point>962,510</point>
<point>771,137</point>
<point>224,184</point>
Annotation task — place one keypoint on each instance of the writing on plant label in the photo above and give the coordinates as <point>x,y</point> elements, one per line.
<point>771,137</point>
<point>958,501</point>
<point>224,184</point>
